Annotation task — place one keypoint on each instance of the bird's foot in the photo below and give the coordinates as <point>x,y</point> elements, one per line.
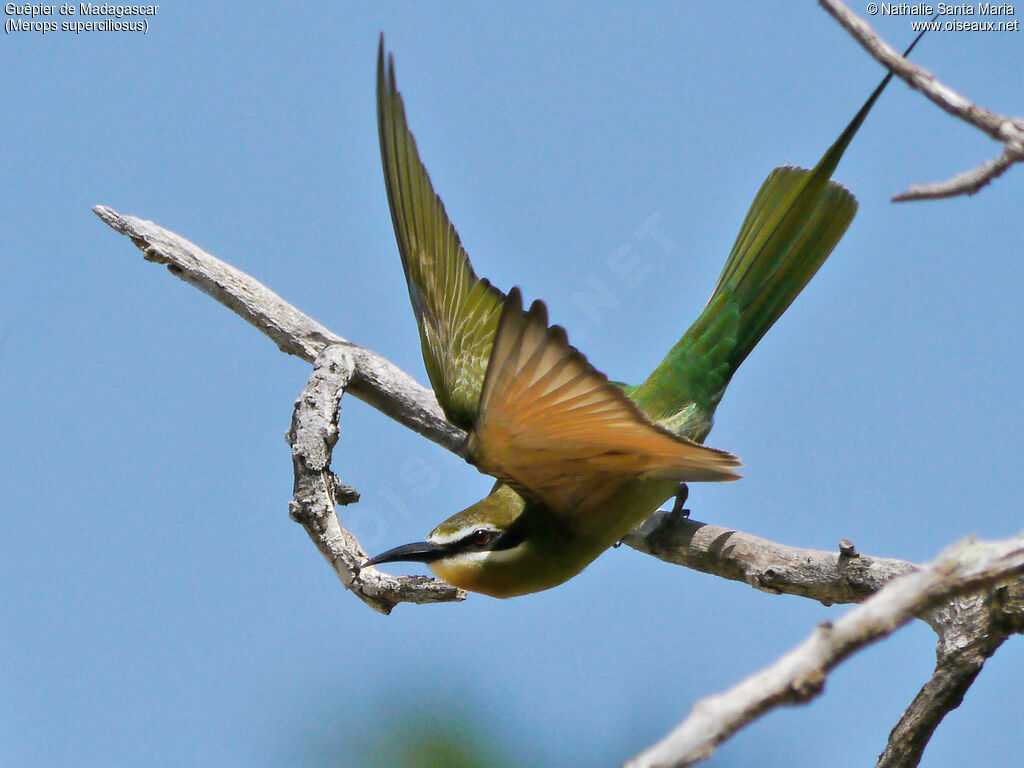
<point>682,493</point>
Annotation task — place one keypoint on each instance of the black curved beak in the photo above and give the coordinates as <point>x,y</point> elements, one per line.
<point>418,552</point>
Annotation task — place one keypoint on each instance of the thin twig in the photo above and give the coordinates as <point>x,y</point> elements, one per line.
<point>1008,131</point>
<point>799,675</point>
<point>966,183</point>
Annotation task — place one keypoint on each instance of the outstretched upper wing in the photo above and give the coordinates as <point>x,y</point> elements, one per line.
<point>457,312</point>
<point>553,427</point>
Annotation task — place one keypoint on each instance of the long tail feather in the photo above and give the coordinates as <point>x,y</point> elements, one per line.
<point>794,223</point>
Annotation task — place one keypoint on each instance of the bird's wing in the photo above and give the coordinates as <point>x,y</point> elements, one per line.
<point>552,426</point>
<point>457,312</point>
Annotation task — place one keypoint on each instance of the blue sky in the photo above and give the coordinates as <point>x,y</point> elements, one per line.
<point>159,608</point>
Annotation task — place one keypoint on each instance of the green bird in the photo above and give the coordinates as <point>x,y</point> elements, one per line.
<point>580,461</point>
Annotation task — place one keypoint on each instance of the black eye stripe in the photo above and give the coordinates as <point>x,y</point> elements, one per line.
<point>513,537</point>
<point>497,540</point>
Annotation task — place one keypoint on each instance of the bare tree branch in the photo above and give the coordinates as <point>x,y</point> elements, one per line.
<point>800,675</point>
<point>375,380</point>
<point>340,366</point>
<point>843,576</point>
<point>970,628</point>
<point>966,183</point>
<point>313,435</point>
<point>1008,131</point>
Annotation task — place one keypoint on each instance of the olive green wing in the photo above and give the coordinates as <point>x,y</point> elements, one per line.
<point>457,312</point>
<point>554,428</point>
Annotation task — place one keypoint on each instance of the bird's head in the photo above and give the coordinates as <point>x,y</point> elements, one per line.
<point>495,547</point>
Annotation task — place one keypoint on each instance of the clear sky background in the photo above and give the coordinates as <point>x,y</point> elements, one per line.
<point>158,606</point>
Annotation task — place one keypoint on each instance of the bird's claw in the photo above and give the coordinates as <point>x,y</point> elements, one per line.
<point>682,493</point>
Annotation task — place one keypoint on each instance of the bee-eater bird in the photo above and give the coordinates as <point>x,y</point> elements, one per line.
<point>581,461</point>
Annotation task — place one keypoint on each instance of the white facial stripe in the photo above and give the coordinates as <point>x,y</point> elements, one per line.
<point>448,538</point>
<point>459,535</point>
<point>492,556</point>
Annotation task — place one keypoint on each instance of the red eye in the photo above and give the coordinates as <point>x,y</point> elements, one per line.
<point>481,537</point>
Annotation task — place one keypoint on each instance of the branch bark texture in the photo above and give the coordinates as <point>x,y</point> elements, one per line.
<point>313,435</point>
<point>842,576</point>
<point>970,628</point>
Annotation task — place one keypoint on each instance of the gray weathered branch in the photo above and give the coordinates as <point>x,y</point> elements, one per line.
<point>1008,131</point>
<point>375,380</point>
<point>971,628</point>
<point>800,675</point>
<point>842,576</point>
<point>313,435</point>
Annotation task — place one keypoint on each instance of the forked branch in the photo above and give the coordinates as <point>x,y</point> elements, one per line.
<point>1008,131</point>
<point>800,675</point>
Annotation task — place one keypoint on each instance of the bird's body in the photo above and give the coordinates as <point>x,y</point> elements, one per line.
<point>581,461</point>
